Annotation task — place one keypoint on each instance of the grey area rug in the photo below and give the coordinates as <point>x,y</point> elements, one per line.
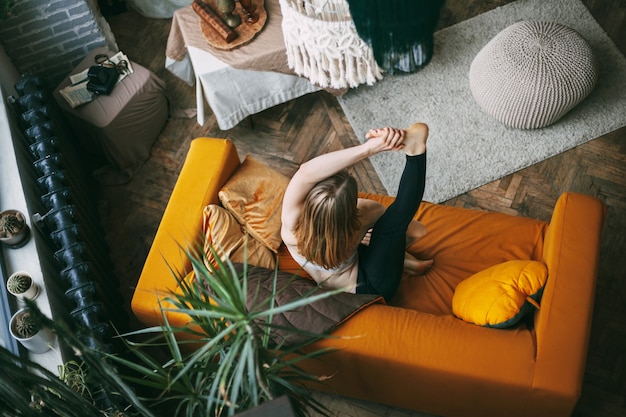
<point>467,148</point>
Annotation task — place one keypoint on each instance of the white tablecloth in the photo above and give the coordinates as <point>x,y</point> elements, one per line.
<point>233,93</point>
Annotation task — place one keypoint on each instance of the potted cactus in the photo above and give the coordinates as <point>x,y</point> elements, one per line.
<point>14,232</point>
<point>22,285</point>
<point>30,332</point>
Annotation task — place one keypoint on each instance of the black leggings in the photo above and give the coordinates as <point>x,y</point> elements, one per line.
<point>382,262</point>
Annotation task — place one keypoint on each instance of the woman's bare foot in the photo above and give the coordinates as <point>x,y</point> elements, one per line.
<point>415,139</point>
<point>414,266</point>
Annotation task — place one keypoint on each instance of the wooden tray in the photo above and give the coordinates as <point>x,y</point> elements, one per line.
<point>246,31</point>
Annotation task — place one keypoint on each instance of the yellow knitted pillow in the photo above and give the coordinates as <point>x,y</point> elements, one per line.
<point>500,295</point>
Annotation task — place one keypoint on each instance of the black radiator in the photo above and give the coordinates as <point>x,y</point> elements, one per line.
<point>66,215</point>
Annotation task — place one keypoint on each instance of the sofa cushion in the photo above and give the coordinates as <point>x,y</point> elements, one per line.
<point>229,240</point>
<point>501,295</point>
<point>254,195</point>
<point>462,242</point>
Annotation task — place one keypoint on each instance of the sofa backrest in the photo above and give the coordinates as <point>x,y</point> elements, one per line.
<point>562,325</point>
<point>209,163</point>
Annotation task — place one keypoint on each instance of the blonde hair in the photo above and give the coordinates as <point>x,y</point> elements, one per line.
<point>327,228</point>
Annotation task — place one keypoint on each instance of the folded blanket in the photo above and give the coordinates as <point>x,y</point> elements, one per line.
<point>319,317</point>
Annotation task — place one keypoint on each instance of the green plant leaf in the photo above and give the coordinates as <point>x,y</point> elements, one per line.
<point>232,366</point>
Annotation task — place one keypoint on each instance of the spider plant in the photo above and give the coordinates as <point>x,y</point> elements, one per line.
<point>236,364</point>
<point>5,8</point>
<point>30,389</point>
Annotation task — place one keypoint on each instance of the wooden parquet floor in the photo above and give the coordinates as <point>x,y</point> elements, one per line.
<point>289,134</point>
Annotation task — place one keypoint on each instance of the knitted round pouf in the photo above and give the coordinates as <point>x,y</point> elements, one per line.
<point>532,73</point>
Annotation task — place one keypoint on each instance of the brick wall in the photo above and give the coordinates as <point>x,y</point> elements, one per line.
<point>50,37</point>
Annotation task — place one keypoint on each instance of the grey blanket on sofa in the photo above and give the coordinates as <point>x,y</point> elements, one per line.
<point>319,317</point>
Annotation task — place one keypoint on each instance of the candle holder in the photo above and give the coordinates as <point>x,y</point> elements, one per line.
<point>248,8</point>
<point>226,7</point>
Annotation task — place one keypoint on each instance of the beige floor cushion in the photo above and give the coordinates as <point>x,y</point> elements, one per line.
<point>532,73</point>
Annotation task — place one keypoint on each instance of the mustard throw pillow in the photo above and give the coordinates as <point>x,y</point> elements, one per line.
<point>500,295</point>
<point>254,195</point>
<point>224,233</point>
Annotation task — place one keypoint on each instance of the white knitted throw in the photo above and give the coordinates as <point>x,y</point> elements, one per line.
<point>323,45</point>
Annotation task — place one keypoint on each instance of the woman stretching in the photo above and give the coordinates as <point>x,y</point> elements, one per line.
<point>343,241</point>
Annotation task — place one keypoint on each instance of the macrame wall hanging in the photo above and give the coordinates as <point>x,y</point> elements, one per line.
<point>323,44</point>
<point>400,32</point>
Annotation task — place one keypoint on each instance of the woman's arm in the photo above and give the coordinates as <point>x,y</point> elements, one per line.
<point>326,165</point>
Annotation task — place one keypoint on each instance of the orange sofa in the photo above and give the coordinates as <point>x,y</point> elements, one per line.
<point>413,352</point>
